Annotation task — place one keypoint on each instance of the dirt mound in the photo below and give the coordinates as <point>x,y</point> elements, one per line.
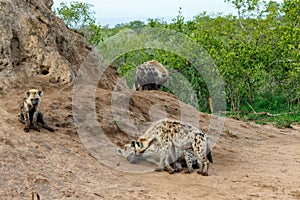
<point>36,45</point>
<point>250,161</point>
<point>34,41</point>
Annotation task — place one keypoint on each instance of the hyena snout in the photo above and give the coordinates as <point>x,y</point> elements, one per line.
<point>35,101</point>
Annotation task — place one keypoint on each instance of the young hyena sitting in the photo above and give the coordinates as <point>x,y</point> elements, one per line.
<point>29,111</point>
<point>172,135</point>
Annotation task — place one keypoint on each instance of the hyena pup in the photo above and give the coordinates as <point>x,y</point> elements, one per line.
<point>29,111</point>
<point>153,153</point>
<point>150,76</point>
<point>171,135</point>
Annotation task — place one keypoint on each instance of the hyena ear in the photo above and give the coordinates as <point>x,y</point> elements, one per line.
<point>27,94</point>
<point>138,144</point>
<point>40,93</point>
<point>119,151</point>
<point>132,143</point>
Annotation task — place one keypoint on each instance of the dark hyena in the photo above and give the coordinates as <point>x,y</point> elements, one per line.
<point>150,76</point>
<point>171,135</point>
<point>29,111</point>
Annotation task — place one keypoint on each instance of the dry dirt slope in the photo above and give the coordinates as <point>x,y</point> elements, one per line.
<point>250,161</point>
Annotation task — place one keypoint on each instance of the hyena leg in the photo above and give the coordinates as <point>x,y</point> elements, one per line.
<point>178,166</point>
<point>161,163</point>
<point>40,119</point>
<point>157,86</point>
<point>204,164</point>
<point>189,161</point>
<point>21,118</point>
<point>170,155</point>
<point>164,162</point>
<point>35,122</point>
<point>174,158</point>
<point>167,164</point>
<point>27,121</point>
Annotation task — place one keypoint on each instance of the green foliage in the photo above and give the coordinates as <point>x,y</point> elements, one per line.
<point>283,120</point>
<point>291,8</point>
<point>133,24</point>
<point>178,22</point>
<point>93,33</point>
<point>76,15</point>
<point>256,52</point>
<point>80,16</point>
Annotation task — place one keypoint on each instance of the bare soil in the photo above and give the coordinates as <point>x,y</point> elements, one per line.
<point>250,161</point>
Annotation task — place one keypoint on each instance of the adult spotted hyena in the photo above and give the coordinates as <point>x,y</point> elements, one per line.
<point>171,135</point>
<point>150,76</point>
<point>29,111</point>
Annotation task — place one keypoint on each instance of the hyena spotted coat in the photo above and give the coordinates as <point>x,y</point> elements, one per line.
<point>29,111</point>
<point>150,76</point>
<point>186,157</point>
<point>172,135</point>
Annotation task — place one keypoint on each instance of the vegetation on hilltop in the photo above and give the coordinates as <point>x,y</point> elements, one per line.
<point>256,52</point>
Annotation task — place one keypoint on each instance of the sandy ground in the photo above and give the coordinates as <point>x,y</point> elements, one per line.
<point>250,161</point>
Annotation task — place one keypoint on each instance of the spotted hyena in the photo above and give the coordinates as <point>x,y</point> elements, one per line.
<point>150,76</point>
<point>152,154</point>
<point>183,157</point>
<point>172,135</point>
<point>29,111</point>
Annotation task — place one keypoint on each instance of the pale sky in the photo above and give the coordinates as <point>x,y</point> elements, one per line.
<point>114,12</point>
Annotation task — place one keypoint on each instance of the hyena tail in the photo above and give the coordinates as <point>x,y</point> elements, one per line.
<point>208,151</point>
<point>209,157</point>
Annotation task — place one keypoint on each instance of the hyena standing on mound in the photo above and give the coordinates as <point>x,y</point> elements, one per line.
<point>170,135</point>
<point>150,76</point>
<point>29,111</point>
